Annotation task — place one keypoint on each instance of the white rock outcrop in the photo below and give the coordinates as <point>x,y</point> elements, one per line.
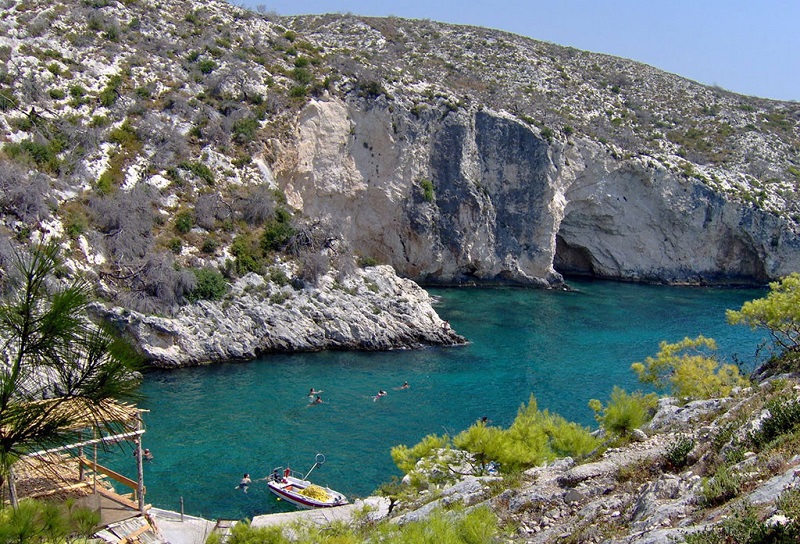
<point>372,310</point>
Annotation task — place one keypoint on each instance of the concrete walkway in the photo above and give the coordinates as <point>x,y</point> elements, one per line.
<point>191,530</point>
<point>378,507</point>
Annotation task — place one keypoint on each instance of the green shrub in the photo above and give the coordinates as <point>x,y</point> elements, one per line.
<point>244,130</point>
<point>746,527</point>
<point>43,155</point>
<point>248,259</point>
<point>36,521</point>
<point>722,487</point>
<point>105,184</point>
<point>427,190</point>
<point>125,135</point>
<point>298,91</point>
<point>77,91</point>
<point>534,436</point>
<point>277,231</point>
<point>366,262</point>
<point>75,224</point>
<point>243,533</point>
<point>184,221</point>
<point>678,452</point>
<point>489,444</point>
<point>176,245</point>
<point>211,285</point>
<point>7,99</point>
<point>199,169</point>
<point>406,458</point>
<point>206,66</point>
<point>108,96</point>
<point>301,76</point>
<point>689,371</point>
<point>624,412</point>
<point>57,94</point>
<point>778,313</point>
<point>210,245</point>
<point>278,277</point>
<point>784,417</point>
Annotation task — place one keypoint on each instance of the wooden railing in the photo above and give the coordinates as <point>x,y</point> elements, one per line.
<point>116,476</point>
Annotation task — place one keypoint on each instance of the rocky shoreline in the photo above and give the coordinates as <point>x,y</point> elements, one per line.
<point>371,309</point>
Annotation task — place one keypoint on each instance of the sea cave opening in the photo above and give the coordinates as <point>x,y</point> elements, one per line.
<point>572,259</point>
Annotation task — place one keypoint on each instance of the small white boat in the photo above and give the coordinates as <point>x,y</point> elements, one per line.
<point>298,490</point>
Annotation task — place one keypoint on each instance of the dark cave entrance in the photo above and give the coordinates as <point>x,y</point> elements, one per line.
<point>572,260</point>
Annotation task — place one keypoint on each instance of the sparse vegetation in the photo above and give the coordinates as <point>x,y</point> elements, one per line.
<point>778,313</point>
<point>624,412</point>
<point>427,190</point>
<point>687,369</point>
<point>210,285</point>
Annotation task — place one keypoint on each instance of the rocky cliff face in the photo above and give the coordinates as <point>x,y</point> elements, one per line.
<point>504,204</point>
<point>162,142</point>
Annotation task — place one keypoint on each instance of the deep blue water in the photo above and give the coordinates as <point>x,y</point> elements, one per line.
<point>209,425</point>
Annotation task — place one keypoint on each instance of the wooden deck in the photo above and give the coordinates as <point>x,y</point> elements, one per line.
<point>56,477</point>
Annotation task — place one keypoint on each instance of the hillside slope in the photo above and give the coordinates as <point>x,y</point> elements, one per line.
<point>175,147</point>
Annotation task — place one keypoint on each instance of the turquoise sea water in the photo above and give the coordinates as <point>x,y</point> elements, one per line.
<point>209,425</point>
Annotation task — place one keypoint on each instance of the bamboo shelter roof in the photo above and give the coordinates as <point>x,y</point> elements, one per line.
<point>82,413</point>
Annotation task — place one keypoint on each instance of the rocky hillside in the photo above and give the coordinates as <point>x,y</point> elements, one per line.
<point>177,147</point>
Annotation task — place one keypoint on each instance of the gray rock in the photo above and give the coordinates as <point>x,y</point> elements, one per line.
<point>573,495</point>
<point>372,310</point>
<point>584,472</point>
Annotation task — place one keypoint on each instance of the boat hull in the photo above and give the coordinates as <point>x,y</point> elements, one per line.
<point>289,489</point>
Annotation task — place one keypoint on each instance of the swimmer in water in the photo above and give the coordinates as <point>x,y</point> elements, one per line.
<point>381,393</point>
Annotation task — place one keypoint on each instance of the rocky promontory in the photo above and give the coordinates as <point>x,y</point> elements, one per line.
<point>373,309</point>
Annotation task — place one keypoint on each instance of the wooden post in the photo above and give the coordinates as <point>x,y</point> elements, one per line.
<point>12,488</point>
<point>139,465</point>
<point>181,509</point>
<point>94,473</point>
<point>81,472</point>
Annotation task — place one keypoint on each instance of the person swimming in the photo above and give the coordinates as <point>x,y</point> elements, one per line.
<point>245,483</point>
<point>381,393</point>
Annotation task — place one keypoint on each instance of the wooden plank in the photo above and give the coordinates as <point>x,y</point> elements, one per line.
<point>133,537</point>
<point>108,472</point>
<point>119,499</point>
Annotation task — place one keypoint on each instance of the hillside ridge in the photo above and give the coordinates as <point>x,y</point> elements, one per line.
<point>175,147</point>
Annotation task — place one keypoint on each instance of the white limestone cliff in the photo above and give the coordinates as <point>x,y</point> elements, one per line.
<point>509,206</point>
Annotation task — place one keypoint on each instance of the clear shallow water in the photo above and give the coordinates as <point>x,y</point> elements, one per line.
<point>209,425</point>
